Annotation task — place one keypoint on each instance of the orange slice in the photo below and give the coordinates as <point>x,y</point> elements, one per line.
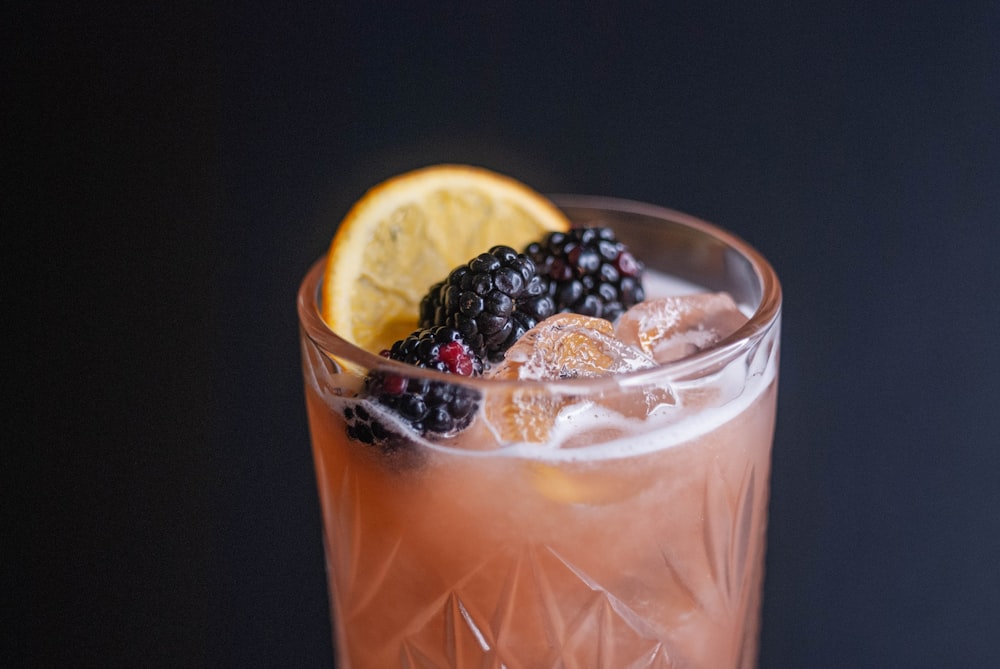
<point>407,233</point>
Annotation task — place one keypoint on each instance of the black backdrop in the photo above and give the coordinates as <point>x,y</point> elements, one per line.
<point>182,165</point>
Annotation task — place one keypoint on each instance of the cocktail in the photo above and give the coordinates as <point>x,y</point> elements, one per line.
<point>584,488</point>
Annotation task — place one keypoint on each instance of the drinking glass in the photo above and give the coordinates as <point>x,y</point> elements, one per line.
<point>612,521</point>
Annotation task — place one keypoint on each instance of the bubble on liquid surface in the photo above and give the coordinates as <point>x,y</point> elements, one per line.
<point>563,346</point>
<point>671,328</point>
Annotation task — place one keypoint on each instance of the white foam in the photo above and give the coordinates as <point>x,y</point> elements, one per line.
<point>657,284</point>
<point>739,383</point>
<point>665,427</point>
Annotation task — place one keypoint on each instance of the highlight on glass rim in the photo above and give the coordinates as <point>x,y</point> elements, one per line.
<point>541,428</point>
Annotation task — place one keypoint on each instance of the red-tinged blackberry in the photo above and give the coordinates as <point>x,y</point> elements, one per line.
<point>430,408</point>
<point>588,272</point>
<point>492,300</point>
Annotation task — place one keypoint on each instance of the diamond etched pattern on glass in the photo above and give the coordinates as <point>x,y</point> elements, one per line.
<point>528,605</point>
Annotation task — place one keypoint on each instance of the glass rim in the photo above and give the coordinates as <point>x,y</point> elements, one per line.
<point>760,322</point>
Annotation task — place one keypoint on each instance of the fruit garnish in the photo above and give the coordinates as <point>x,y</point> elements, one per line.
<point>578,485</point>
<point>430,408</point>
<point>588,271</point>
<point>408,233</point>
<point>492,300</point>
<point>560,347</point>
<point>672,328</point>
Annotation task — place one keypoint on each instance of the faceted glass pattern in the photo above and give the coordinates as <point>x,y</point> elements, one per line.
<point>653,561</point>
<point>627,532</point>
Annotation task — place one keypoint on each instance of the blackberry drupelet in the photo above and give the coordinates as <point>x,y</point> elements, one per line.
<point>588,271</point>
<point>492,300</point>
<point>430,408</point>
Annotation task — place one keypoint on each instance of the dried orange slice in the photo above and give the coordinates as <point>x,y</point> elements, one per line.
<point>408,232</point>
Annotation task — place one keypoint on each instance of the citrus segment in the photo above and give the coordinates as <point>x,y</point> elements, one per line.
<point>407,233</point>
<point>579,484</point>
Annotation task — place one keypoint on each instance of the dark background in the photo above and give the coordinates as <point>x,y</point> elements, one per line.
<point>180,166</point>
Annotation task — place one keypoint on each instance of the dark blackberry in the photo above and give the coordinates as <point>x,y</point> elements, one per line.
<point>588,271</point>
<point>491,301</point>
<point>430,408</point>
<point>363,426</point>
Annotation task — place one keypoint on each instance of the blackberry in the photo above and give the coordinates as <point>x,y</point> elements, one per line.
<point>430,408</point>
<point>363,426</point>
<point>588,271</point>
<point>492,300</point>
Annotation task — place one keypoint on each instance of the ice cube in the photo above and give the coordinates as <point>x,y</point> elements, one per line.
<point>671,328</point>
<point>569,346</point>
<point>560,347</point>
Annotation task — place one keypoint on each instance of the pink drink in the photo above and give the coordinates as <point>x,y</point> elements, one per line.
<point>632,536</point>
